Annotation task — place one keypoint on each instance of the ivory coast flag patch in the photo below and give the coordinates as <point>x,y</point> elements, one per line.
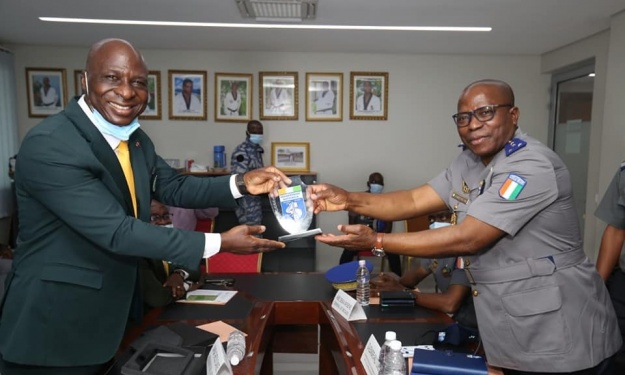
<point>512,187</point>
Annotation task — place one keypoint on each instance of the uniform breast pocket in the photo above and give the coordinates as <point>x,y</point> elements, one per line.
<point>536,320</point>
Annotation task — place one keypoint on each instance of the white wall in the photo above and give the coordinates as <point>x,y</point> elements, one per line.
<point>607,143</point>
<point>418,140</point>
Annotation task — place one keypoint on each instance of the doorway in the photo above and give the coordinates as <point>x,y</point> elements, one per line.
<point>569,131</point>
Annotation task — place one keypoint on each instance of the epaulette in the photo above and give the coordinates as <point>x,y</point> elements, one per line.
<point>623,166</point>
<point>514,145</point>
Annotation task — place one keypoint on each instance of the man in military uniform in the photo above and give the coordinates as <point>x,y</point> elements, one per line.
<point>246,157</point>
<point>540,304</point>
<point>611,210</point>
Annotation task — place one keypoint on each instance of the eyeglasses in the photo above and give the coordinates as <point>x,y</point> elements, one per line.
<point>154,218</point>
<point>485,113</point>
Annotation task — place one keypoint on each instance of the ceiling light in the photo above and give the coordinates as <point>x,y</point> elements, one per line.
<point>262,26</point>
<point>278,10</point>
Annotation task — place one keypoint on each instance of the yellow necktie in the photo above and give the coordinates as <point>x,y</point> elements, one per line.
<point>124,160</point>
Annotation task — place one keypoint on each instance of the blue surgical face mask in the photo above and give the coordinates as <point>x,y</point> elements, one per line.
<point>256,138</point>
<point>439,224</point>
<point>120,132</point>
<point>376,188</point>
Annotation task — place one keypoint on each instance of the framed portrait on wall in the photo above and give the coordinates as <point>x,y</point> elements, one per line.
<point>291,156</point>
<point>278,96</point>
<point>187,95</point>
<point>233,97</point>
<point>154,110</point>
<point>368,96</point>
<point>78,91</point>
<point>324,96</point>
<point>47,91</point>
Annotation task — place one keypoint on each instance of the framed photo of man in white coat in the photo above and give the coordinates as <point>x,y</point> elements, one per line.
<point>324,96</point>
<point>278,96</point>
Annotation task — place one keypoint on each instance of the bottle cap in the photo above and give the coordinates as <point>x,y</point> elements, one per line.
<point>395,345</point>
<point>390,336</point>
<point>219,148</point>
<point>362,262</point>
<point>234,360</point>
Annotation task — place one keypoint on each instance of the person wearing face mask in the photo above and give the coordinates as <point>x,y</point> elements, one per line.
<point>84,181</point>
<point>161,281</point>
<point>375,185</point>
<point>248,156</point>
<point>452,282</point>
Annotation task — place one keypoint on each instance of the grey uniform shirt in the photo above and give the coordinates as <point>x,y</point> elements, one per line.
<point>611,210</point>
<point>541,305</point>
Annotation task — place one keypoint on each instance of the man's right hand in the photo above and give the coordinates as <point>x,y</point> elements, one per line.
<point>241,240</point>
<point>327,197</point>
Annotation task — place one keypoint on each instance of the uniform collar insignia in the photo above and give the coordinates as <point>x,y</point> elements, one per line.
<point>514,145</point>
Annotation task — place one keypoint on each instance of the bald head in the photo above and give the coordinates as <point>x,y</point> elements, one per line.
<point>111,45</point>
<point>116,81</point>
<point>502,87</point>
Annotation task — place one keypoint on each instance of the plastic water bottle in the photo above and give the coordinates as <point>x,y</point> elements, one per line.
<point>386,348</point>
<point>394,362</point>
<point>219,156</point>
<point>362,283</point>
<point>235,350</point>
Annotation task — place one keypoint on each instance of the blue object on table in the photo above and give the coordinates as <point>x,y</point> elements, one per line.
<point>346,272</point>
<point>447,362</point>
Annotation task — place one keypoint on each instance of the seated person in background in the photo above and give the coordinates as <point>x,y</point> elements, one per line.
<point>162,282</point>
<point>186,218</point>
<point>455,291</point>
<point>375,185</point>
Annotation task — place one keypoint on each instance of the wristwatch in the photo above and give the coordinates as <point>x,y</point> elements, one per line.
<point>238,180</point>
<point>378,249</point>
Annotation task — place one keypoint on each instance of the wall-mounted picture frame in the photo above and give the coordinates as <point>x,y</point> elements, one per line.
<point>78,90</point>
<point>291,156</point>
<point>233,97</point>
<point>187,94</point>
<point>47,91</point>
<point>324,96</point>
<point>278,96</point>
<point>368,95</point>
<point>154,110</point>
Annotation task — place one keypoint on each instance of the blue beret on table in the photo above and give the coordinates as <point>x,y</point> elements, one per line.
<point>343,276</point>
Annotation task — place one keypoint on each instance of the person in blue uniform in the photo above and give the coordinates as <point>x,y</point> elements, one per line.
<point>248,156</point>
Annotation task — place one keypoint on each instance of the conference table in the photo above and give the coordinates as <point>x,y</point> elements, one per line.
<point>292,312</point>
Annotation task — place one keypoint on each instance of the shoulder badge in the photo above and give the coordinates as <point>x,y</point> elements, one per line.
<point>512,187</point>
<point>514,145</point>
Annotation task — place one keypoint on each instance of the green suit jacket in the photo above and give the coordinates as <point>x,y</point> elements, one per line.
<point>76,262</point>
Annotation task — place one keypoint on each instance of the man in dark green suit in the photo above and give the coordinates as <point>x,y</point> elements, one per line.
<point>81,234</point>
